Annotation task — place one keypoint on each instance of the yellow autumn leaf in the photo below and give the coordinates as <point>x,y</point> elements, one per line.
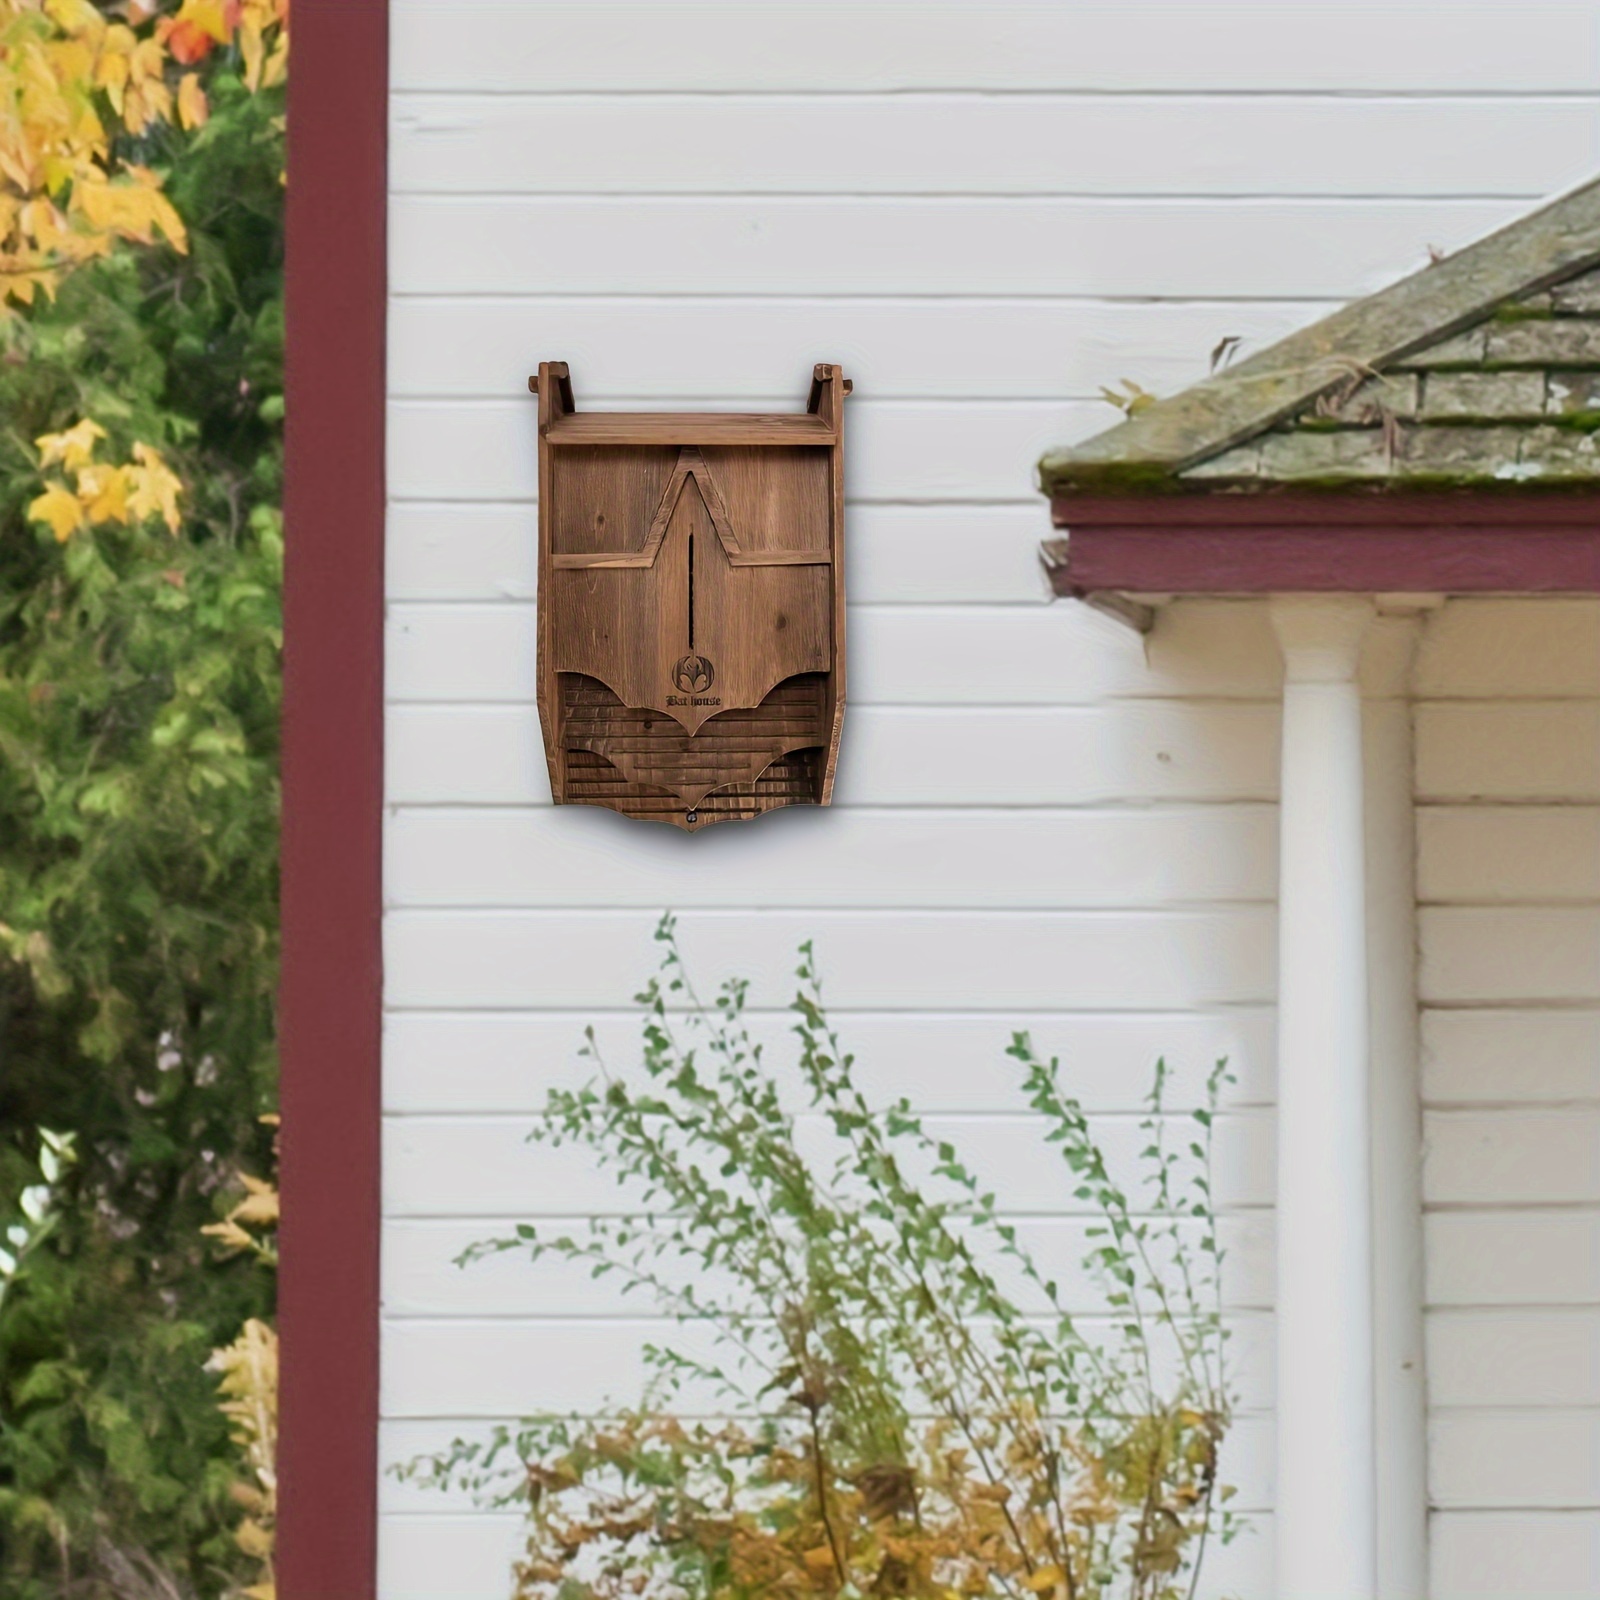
<point>259,1208</point>
<point>74,15</point>
<point>104,493</point>
<point>209,16</point>
<point>193,109</point>
<point>156,488</point>
<point>1046,1578</point>
<point>73,448</point>
<point>59,510</point>
<point>253,1539</point>
<point>253,51</point>
<point>112,76</point>
<point>229,1235</point>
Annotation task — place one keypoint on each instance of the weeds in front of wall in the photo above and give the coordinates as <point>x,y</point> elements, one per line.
<point>877,1389</point>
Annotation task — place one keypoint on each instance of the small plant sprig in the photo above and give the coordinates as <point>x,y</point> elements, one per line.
<point>898,1400</point>
<point>37,1208</point>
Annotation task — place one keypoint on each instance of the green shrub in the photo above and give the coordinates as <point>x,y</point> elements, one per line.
<point>907,1405</point>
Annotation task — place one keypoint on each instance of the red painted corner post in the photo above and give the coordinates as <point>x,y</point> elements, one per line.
<point>330,996</point>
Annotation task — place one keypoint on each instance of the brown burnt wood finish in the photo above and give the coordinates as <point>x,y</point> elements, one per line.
<point>691,605</point>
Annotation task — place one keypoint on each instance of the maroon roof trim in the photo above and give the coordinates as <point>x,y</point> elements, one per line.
<point>1520,543</point>
<point>330,995</point>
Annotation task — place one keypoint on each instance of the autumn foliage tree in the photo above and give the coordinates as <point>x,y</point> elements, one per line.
<point>141,320</point>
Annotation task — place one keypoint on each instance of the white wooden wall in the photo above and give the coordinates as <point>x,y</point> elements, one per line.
<point>1508,833</point>
<point>984,210</point>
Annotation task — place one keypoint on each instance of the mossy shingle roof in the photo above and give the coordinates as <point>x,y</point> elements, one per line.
<point>1481,370</point>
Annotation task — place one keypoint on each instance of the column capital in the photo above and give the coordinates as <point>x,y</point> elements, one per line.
<point>1320,634</point>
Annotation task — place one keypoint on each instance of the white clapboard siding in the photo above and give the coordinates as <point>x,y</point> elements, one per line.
<point>1488,855</point>
<point>1014,45</point>
<point>1513,1156</point>
<point>941,1060</point>
<point>907,655</point>
<point>984,961</point>
<point>473,1166</point>
<point>898,554</point>
<point>985,212</point>
<point>1517,1358</point>
<point>1525,751</point>
<point>1485,1257</point>
<point>1508,763</point>
<point>470,245</point>
<point>1533,1555</point>
<point>974,347</point>
<point>895,756</point>
<point>937,858</point>
<point>1515,1458</point>
<point>916,450</point>
<point>491,1369</point>
<point>421,1277</point>
<point>945,143</point>
<point>1511,650</point>
<point>1510,1056</point>
<point>1508,955</point>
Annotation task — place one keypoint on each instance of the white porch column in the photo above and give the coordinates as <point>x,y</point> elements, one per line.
<point>1326,1521</point>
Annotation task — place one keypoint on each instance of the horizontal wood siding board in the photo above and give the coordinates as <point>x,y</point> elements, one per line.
<point>785,45</point>
<point>941,143</point>
<point>941,1059</point>
<point>1169,751</point>
<point>1177,856</point>
<point>650,245</point>
<point>993,961</point>
<point>465,451</point>
<point>966,347</point>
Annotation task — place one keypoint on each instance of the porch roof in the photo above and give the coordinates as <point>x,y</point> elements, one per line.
<point>1430,409</point>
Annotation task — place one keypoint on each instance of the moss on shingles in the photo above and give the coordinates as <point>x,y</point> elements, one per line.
<point>1525,300</point>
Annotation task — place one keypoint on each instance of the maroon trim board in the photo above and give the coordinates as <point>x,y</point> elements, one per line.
<point>1527,542</point>
<point>331,988</point>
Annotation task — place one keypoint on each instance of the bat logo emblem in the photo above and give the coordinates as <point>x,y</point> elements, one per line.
<point>694,674</point>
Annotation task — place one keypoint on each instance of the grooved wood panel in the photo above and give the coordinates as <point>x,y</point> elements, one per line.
<point>985,211</point>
